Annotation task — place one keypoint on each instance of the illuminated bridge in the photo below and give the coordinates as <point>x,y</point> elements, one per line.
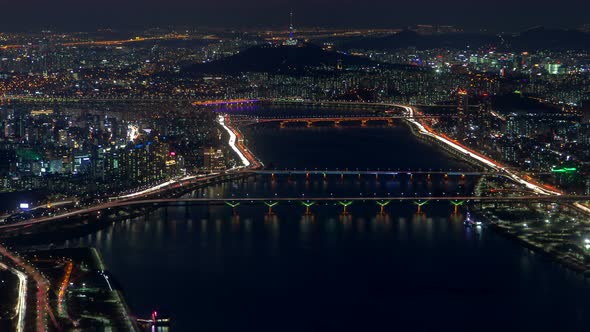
<point>336,120</point>
<point>252,200</point>
<point>370,172</point>
<point>225,102</point>
<point>91,214</point>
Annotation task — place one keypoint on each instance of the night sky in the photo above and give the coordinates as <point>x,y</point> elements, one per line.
<point>499,15</point>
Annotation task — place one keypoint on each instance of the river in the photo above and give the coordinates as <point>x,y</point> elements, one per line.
<point>211,270</point>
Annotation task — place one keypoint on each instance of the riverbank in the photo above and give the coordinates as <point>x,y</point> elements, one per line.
<point>566,257</point>
<point>563,255</point>
<point>74,275</point>
<point>448,150</point>
<point>84,221</point>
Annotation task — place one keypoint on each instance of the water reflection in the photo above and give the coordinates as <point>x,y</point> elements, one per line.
<point>258,272</point>
<point>306,225</point>
<point>433,247</point>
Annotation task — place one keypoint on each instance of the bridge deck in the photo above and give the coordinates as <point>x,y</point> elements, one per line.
<point>529,198</point>
<point>325,200</point>
<point>337,119</point>
<point>369,172</point>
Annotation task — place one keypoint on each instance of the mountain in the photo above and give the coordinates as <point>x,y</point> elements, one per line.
<point>540,38</point>
<point>408,38</point>
<point>279,58</point>
<point>534,39</point>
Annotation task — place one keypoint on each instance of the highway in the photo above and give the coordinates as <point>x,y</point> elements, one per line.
<point>531,184</point>
<point>62,289</point>
<point>225,102</point>
<point>232,142</point>
<point>236,143</point>
<point>21,303</point>
<point>475,155</point>
<point>41,300</point>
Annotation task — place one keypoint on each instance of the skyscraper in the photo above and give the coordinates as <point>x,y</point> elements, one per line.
<point>462,110</point>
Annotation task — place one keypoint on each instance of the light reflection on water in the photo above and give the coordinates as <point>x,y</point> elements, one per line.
<point>215,271</point>
<point>256,247</point>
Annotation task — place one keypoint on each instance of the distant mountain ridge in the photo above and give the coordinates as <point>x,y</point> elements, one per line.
<point>540,38</point>
<point>537,38</point>
<point>408,38</point>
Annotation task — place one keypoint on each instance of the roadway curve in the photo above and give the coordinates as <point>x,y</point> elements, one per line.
<point>427,131</point>
<point>42,308</point>
<point>529,183</point>
<point>21,303</point>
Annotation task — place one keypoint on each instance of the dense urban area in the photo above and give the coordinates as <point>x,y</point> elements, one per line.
<point>92,120</point>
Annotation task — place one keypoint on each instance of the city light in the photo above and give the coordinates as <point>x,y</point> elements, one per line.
<point>564,170</point>
<point>371,144</point>
<point>474,155</point>
<point>232,142</point>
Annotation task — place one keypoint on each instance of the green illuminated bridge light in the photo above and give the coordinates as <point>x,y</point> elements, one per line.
<point>232,204</point>
<point>564,170</point>
<point>382,205</point>
<point>308,205</point>
<point>270,205</point>
<point>345,204</point>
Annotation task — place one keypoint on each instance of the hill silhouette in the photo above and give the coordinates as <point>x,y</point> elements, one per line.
<point>280,58</point>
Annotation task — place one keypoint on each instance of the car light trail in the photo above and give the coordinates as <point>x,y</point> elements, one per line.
<point>423,130</point>
<point>582,207</point>
<point>184,180</point>
<point>42,305</point>
<point>62,289</point>
<point>232,141</point>
<point>21,305</point>
<point>225,102</point>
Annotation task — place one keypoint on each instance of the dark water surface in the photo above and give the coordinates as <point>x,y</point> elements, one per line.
<point>214,271</point>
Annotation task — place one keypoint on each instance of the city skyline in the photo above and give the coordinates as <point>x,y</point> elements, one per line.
<point>282,166</point>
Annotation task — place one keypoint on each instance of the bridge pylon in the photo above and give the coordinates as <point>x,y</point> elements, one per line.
<point>419,205</point>
<point>233,205</point>
<point>270,205</point>
<point>308,205</point>
<point>345,204</point>
<point>456,205</point>
<point>382,206</point>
